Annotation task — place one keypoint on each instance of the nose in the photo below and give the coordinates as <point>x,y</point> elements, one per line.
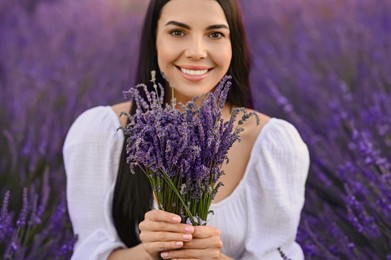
<point>196,49</point>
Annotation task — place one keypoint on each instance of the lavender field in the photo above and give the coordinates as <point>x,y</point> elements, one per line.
<point>323,65</point>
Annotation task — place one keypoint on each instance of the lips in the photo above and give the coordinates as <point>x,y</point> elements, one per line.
<point>194,73</point>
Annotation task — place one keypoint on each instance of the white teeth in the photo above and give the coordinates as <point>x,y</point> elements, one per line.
<point>194,72</point>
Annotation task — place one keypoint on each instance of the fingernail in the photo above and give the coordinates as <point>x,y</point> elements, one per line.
<point>187,236</point>
<point>179,244</point>
<point>164,254</point>
<point>189,229</point>
<point>176,219</point>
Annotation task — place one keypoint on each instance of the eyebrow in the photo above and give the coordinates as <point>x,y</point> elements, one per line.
<point>211,27</point>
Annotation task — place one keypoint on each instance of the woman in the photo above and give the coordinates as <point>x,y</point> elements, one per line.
<point>256,212</point>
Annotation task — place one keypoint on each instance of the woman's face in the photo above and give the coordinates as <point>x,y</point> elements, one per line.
<point>193,46</point>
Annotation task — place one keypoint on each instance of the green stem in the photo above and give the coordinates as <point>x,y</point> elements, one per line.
<point>175,190</point>
<point>155,182</point>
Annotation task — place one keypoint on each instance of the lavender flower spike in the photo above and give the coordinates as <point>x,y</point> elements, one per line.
<point>181,151</point>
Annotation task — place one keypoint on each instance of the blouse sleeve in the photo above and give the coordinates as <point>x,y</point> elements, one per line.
<point>276,193</point>
<point>91,153</point>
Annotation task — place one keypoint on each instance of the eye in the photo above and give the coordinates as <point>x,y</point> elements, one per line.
<point>177,33</point>
<point>216,35</point>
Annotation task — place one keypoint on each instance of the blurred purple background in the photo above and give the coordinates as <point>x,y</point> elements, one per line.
<point>323,65</point>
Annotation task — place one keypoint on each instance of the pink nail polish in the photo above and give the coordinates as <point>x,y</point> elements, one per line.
<point>187,236</point>
<point>189,229</point>
<point>176,219</point>
<point>164,254</point>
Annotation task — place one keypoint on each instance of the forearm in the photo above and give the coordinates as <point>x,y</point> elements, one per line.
<point>136,252</point>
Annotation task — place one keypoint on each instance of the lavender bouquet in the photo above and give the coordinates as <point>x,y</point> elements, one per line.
<point>181,151</point>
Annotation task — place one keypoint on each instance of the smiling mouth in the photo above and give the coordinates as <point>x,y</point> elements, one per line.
<point>193,72</point>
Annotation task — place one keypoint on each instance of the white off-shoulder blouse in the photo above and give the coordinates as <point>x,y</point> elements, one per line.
<point>261,215</point>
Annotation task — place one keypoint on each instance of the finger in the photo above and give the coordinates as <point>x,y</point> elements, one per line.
<point>205,232</point>
<point>148,225</point>
<point>185,259</point>
<point>163,216</point>
<point>211,253</point>
<point>155,247</point>
<point>149,236</point>
<point>211,242</point>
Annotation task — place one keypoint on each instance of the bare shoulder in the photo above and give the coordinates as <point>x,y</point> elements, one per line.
<point>119,108</point>
<point>251,127</point>
<point>263,119</point>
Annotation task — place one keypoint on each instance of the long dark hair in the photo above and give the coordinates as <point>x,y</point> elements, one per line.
<point>132,193</point>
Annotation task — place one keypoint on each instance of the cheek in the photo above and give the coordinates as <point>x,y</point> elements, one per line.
<point>166,54</point>
<point>161,50</point>
<point>160,60</point>
<point>229,58</point>
<point>225,56</point>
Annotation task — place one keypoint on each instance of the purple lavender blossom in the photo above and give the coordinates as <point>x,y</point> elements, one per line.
<point>182,150</point>
<point>5,218</point>
<point>23,213</point>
